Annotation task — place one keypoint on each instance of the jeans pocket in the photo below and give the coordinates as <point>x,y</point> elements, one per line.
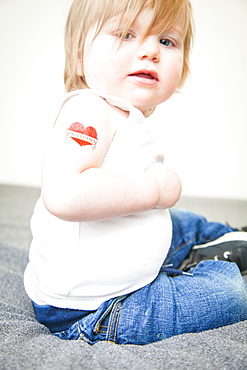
<point>105,328</point>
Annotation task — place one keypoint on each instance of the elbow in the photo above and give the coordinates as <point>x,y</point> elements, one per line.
<point>56,206</point>
<point>60,206</point>
<point>67,207</point>
<point>69,199</point>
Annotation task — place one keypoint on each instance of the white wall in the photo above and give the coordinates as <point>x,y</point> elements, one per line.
<point>31,83</point>
<point>202,131</point>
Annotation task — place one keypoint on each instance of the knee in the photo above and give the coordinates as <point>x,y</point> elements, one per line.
<point>226,287</point>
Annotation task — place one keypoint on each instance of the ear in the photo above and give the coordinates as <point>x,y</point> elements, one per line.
<point>79,65</point>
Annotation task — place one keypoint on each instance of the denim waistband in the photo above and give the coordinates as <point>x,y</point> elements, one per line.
<point>58,319</point>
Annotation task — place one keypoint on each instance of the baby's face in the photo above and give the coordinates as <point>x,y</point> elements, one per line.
<point>145,72</point>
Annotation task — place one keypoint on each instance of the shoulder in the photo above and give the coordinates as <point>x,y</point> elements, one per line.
<point>84,102</point>
<point>90,107</point>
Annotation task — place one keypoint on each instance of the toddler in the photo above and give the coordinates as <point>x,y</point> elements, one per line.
<point>104,240</point>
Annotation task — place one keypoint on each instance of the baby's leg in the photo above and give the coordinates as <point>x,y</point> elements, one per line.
<point>214,296</point>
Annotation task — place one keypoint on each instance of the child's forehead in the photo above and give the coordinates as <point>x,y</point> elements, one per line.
<point>153,22</point>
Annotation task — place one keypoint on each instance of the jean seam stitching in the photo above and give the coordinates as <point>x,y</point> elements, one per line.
<point>111,324</point>
<point>117,321</point>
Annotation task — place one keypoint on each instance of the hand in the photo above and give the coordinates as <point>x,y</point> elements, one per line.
<point>169,184</point>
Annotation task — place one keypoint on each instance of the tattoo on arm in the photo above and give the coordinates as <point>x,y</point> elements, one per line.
<point>83,136</point>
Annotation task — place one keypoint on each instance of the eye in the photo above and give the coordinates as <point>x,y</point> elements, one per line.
<point>128,36</point>
<point>166,42</point>
<point>123,35</point>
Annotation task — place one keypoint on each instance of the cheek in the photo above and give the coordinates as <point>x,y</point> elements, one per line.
<point>180,66</point>
<point>176,73</point>
<point>95,63</point>
<point>91,68</point>
<point>172,78</point>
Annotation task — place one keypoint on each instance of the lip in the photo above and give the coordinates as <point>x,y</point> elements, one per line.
<point>145,76</point>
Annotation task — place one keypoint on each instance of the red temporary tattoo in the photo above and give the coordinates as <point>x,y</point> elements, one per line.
<point>83,136</point>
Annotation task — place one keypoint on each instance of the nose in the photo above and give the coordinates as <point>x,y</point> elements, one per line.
<point>149,49</point>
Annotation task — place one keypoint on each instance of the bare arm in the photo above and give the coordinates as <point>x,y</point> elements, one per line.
<point>96,195</point>
<point>76,189</point>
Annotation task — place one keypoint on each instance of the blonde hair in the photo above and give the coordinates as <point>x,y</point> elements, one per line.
<point>86,13</point>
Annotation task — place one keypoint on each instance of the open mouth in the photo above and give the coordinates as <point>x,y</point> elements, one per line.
<point>149,75</point>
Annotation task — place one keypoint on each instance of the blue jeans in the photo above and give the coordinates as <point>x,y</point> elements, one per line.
<point>214,296</point>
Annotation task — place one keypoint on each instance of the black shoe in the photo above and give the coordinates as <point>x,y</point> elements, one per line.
<point>231,247</point>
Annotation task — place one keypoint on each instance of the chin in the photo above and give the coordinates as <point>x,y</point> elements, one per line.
<point>145,104</point>
<point>144,108</point>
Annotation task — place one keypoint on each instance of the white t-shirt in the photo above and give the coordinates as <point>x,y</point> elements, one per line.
<point>80,265</point>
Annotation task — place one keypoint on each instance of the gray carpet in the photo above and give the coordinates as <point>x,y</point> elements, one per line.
<point>25,344</point>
